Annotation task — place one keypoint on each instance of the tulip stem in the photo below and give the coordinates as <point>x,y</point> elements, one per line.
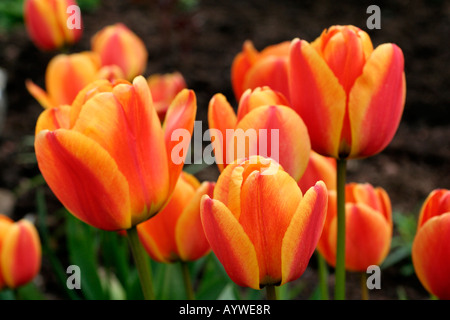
<point>323,276</point>
<point>187,281</point>
<point>142,263</point>
<point>339,293</point>
<point>364,289</point>
<point>271,293</point>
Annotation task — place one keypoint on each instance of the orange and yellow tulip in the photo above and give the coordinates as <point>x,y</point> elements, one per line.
<point>350,96</point>
<point>176,233</point>
<point>118,45</point>
<point>431,246</point>
<point>115,129</point>
<point>65,76</point>
<point>251,69</point>
<point>46,23</point>
<point>20,252</point>
<point>259,109</point>
<point>319,168</point>
<point>260,226</point>
<point>164,87</point>
<point>368,221</point>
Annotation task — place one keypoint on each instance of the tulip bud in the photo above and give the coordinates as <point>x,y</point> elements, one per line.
<point>46,23</point>
<point>118,45</point>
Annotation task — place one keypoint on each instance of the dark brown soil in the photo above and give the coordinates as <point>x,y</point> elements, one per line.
<point>201,44</point>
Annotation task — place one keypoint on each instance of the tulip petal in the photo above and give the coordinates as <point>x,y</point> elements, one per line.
<point>327,246</point>
<point>319,168</point>
<point>70,164</point>
<point>241,64</point>
<point>54,118</point>
<point>39,94</point>
<point>265,215</point>
<point>20,258</point>
<point>189,234</point>
<point>376,101</point>
<point>317,97</point>
<point>179,117</point>
<point>290,147</point>
<point>437,203</point>
<point>431,255</point>
<point>5,225</point>
<point>230,243</point>
<point>303,233</point>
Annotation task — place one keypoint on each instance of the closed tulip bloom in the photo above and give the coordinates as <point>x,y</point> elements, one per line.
<point>176,233</point>
<point>251,69</point>
<point>261,113</point>
<point>164,87</point>
<point>115,129</point>
<point>65,76</point>
<point>20,252</point>
<point>368,221</point>
<point>350,96</point>
<point>431,246</point>
<point>319,168</point>
<point>260,226</point>
<point>46,23</point>
<point>118,45</point>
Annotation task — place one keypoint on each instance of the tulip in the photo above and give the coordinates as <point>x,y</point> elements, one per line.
<point>368,219</point>
<point>46,23</point>
<point>431,246</point>
<point>176,233</point>
<point>118,45</point>
<point>319,168</point>
<point>259,109</point>
<point>350,96</point>
<point>251,69</point>
<point>113,127</point>
<point>65,76</point>
<point>164,87</point>
<point>20,252</point>
<point>260,226</point>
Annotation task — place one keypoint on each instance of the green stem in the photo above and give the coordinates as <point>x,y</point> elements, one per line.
<point>187,281</point>
<point>142,263</point>
<point>271,293</point>
<point>323,277</point>
<point>364,289</point>
<point>339,293</point>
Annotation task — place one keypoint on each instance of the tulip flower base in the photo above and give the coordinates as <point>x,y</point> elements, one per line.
<point>201,43</point>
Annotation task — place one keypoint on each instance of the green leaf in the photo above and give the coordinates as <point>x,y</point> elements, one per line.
<point>227,293</point>
<point>29,292</point>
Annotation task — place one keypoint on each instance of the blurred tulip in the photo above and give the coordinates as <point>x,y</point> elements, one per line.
<point>46,23</point>
<point>368,220</point>
<point>20,252</point>
<point>164,87</point>
<point>431,246</point>
<point>176,233</point>
<point>65,76</point>
<point>350,96</point>
<point>260,109</point>
<point>118,45</point>
<point>113,127</point>
<point>259,225</point>
<point>319,168</point>
<point>252,69</point>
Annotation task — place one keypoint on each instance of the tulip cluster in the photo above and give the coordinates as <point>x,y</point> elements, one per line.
<point>20,252</point>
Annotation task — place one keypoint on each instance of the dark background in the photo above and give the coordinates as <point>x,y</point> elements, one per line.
<point>201,40</point>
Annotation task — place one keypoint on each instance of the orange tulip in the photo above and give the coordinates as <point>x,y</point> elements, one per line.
<point>319,168</point>
<point>115,129</point>
<point>368,221</point>
<point>176,233</point>
<point>431,246</point>
<point>118,45</point>
<point>46,23</point>
<point>350,96</point>
<point>164,87</point>
<point>20,252</point>
<point>260,226</point>
<point>252,69</point>
<point>259,110</point>
<point>65,76</point>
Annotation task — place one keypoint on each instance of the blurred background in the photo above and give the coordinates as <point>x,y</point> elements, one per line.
<point>200,38</point>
